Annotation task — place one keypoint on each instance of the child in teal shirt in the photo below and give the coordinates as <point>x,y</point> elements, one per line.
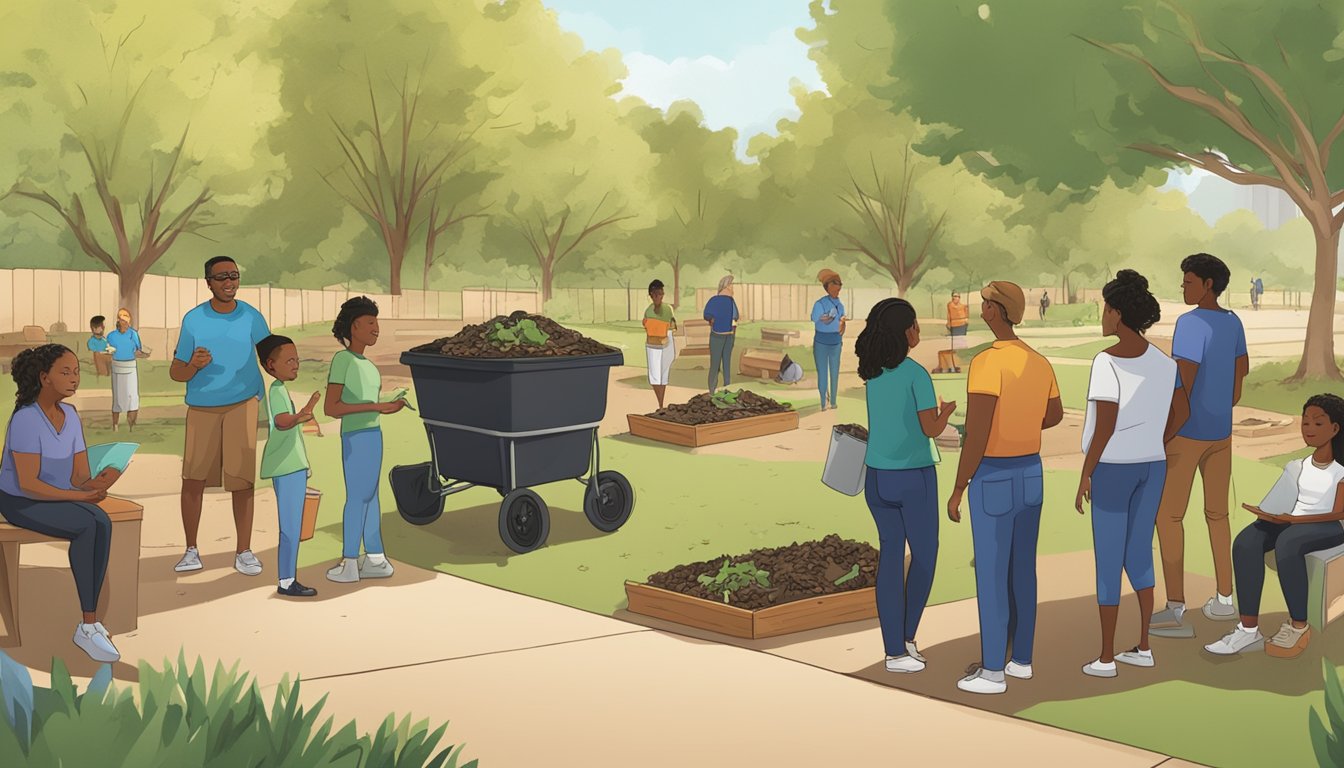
<point>284,459</point>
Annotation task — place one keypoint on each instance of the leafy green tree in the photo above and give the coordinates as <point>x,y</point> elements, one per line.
<point>1070,94</point>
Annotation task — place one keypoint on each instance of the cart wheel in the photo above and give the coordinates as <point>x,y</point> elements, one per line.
<point>608,501</point>
<point>524,521</point>
<point>417,504</point>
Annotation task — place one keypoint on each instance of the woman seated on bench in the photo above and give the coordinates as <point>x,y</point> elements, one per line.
<point>1313,524</point>
<point>45,485</point>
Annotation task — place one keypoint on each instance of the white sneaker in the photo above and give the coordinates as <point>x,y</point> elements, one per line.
<point>1238,641</point>
<point>1020,671</point>
<point>247,563</point>
<point>1217,610</point>
<point>1095,668</point>
<point>344,572</point>
<point>368,569</point>
<point>907,663</point>
<point>191,561</point>
<point>96,644</point>
<point>979,682</point>
<point>913,651</point>
<point>1135,658</point>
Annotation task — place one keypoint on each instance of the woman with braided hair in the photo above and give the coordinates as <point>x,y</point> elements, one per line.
<point>45,484</point>
<point>1129,407</point>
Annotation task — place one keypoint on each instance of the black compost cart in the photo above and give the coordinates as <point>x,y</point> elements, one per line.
<point>508,424</point>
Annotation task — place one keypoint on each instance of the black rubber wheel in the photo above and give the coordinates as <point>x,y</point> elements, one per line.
<point>416,503</point>
<point>524,521</point>
<point>608,501</point>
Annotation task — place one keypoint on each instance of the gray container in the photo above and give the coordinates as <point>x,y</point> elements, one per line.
<point>845,470</point>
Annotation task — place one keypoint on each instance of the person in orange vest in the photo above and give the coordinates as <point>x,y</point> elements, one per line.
<point>958,317</point>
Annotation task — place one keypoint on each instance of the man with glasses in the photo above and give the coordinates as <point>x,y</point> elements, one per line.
<point>216,359</point>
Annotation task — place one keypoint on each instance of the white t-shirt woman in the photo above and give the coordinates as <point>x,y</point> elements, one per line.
<point>1141,387</point>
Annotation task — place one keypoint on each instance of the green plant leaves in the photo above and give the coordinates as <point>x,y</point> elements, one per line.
<point>731,578</point>
<point>1328,740</point>
<point>525,331</point>
<point>850,576</point>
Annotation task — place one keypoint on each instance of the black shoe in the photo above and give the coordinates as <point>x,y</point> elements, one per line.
<point>295,589</point>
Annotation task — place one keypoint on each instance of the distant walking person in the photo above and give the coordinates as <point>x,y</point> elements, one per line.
<point>1209,345</point>
<point>828,320</point>
<point>958,318</point>
<point>1255,295</point>
<point>1045,303</point>
<point>721,312</point>
<point>1012,396</point>
<point>124,343</point>
<point>1129,404</point>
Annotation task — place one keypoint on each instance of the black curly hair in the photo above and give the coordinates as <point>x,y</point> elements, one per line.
<point>352,310</point>
<point>655,286</point>
<point>266,348</point>
<point>1207,267</point>
<point>28,367</point>
<point>1128,294</point>
<point>1333,405</point>
<point>882,343</point>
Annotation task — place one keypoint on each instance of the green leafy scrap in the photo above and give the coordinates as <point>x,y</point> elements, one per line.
<point>731,578</point>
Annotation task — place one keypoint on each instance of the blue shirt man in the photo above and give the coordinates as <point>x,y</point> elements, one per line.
<point>1213,339</point>
<point>232,375</point>
<point>721,312</point>
<point>124,344</point>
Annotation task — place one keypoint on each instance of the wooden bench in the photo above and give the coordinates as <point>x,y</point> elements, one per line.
<point>11,344</point>
<point>694,337</point>
<point>760,363</point>
<point>783,337</point>
<point>1325,585</point>
<point>119,602</point>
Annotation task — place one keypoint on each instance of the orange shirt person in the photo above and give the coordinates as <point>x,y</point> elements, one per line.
<point>958,316</point>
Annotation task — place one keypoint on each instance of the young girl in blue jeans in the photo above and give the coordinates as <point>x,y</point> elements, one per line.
<point>353,389</point>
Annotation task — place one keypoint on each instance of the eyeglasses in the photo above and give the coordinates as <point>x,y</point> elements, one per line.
<point>220,277</point>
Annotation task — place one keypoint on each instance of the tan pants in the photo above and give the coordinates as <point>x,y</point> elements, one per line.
<point>221,446</point>
<point>1213,459</point>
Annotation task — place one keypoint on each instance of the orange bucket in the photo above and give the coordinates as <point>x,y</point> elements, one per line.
<point>311,500</point>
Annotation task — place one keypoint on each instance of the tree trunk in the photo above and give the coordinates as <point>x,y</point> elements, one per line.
<point>1318,350</point>
<point>547,279</point>
<point>395,259</point>
<point>128,291</point>
<point>676,282</point>
<point>629,305</point>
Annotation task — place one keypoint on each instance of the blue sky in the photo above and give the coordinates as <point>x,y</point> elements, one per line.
<point>735,58</point>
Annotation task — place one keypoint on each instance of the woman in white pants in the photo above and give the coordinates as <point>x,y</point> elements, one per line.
<point>659,348</point>
<point>126,349</point>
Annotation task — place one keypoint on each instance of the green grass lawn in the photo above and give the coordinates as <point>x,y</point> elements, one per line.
<point>1264,387</point>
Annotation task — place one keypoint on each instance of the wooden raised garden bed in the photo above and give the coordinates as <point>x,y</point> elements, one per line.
<point>694,436</point>
<point>760,363</point>
<point>726,619</point>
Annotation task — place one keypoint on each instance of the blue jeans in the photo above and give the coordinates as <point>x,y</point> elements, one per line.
<point>290,492</point>
<point>827,358</point>
<point>1125,498</point>
<point>904,503</point>
<point>1005,499</point>
<point>362,458</point>
<point>720,356</point>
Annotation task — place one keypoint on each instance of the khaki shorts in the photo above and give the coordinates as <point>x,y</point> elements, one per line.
<point>221,446</point>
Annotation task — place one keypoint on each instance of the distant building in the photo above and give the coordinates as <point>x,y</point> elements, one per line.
<point>1272,206</point>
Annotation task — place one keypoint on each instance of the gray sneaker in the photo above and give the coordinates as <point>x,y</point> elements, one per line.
<point>191,561</point>
<point>371,570</point>
<point>913,651</point>
<point>1216,610</point>
<point>247,563</point>
<point>1237,641</point>
<point>1170,622</point>
<point>344,572</point>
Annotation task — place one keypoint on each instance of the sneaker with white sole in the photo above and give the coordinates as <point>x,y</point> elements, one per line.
<point>1217,610</point>
<point>906,663</point>
<point>344,572</point>
<point>978,681</point>
<point>97,645</point>
<point>1289,642</point>
<point>1170,622</point>
<point>368,569</point>
<point>191,561</point>
<point>247,563</point>
<point>1135,658</point>
<point>1238,641</point>
<point>913,651</point>
<point>1019,671</point>
<point>1096,668</point>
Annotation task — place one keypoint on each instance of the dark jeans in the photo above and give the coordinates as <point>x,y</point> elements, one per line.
<point>720,354</point>
<point>1290,545</point>
<point>85,526</point>
<point>1005,497</point>
<point>904,503</point>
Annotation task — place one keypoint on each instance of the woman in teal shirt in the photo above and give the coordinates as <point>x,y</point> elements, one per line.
<point>902,485</point>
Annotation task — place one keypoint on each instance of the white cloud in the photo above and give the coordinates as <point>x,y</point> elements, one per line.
<point>598,34</point>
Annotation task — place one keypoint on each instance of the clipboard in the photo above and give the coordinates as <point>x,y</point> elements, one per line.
<point>1282,497</point>
<point>110,455</point>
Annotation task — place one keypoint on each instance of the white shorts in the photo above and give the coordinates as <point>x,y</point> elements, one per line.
<point>125,386</point>
<point>660,361</point>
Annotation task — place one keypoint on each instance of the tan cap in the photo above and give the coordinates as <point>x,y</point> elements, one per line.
<point>1008,295</point>
<point>827,275</point>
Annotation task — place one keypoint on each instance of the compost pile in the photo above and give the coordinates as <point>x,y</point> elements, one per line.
<point>794,572</point>
<point>517,335</point>
<point>719,407</point>
<point>856,431</point>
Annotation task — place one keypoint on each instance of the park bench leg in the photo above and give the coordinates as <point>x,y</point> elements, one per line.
<point>9,594</point>
<point>119,603</point>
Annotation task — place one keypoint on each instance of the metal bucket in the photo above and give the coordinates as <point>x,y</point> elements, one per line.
<point>845,470</point>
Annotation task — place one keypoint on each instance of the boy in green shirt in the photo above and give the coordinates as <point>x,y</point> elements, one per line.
<point>284,459</point>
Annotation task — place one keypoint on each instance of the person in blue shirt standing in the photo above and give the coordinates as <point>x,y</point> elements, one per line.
<point>124,343</point>
<point>828,319</point>
<point>216,359</point>
<point>721,312</point>
<point>902,486</point>
<point>1209,346</point>
<point>97,341</point>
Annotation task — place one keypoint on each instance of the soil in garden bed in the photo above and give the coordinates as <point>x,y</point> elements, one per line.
<point>702,410</point>
<point>796,572</point>
<point>472,341</point>
<point>856,431</point>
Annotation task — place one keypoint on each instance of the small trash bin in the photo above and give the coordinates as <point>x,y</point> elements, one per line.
<point>311,500</point>
<point>845,470</point>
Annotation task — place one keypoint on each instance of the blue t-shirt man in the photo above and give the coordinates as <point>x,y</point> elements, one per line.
<point>827,332</point>
<point>896,440</point>
<point>97,344</point>
<point>1212,339</point>
<point>124,344</point>
<point>721,312</point>
<point>232,375</point>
